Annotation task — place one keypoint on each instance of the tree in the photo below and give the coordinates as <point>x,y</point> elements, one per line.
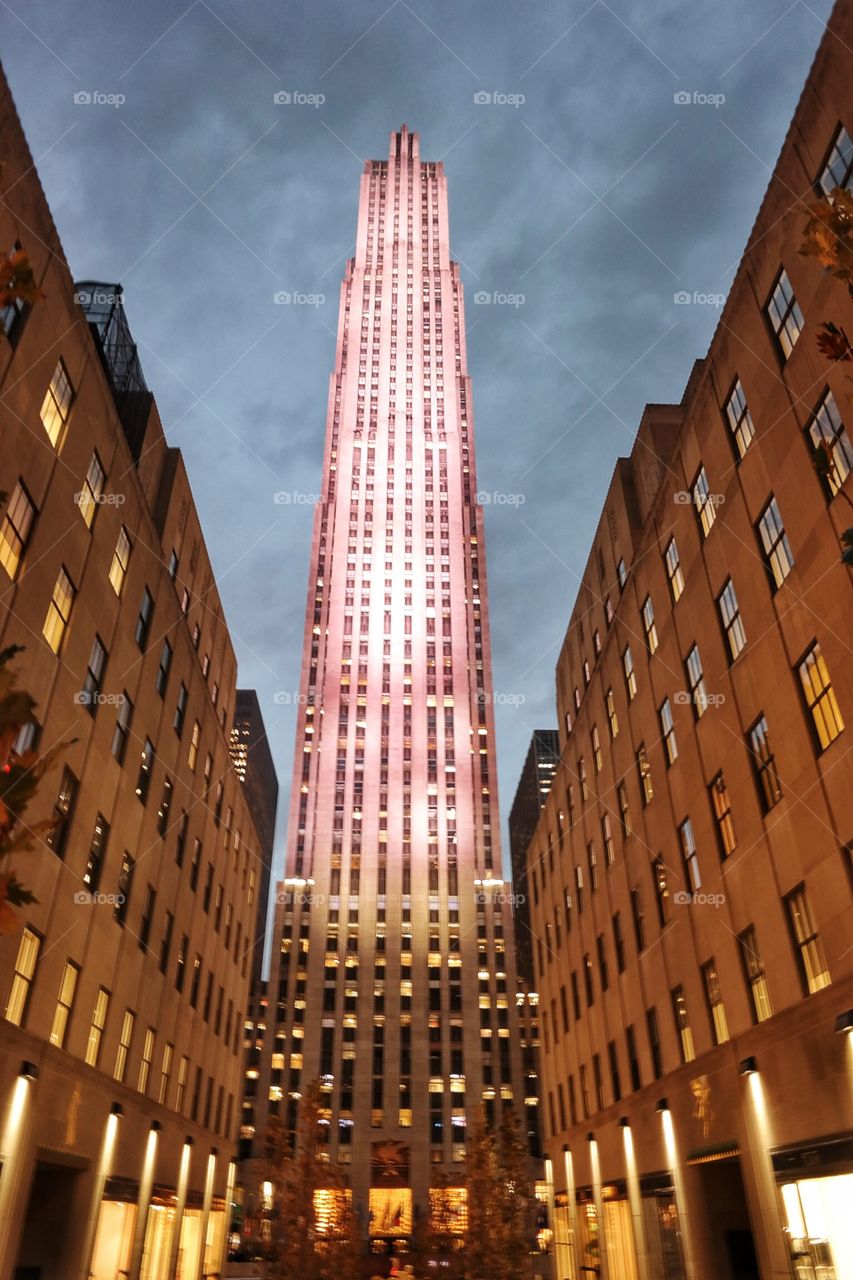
<point>500,1203</point>
<point>517,1194</point>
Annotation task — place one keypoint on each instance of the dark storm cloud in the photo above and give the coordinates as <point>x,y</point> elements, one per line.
<point>596,199</point>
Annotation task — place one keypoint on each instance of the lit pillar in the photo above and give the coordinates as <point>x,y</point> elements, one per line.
<point>180,1203</point>
<point>632,1180</point>
<point>146,1184</point>
<point>17,1156</point>
<point>570,1272</point>
<point>552,1211</point>
<point>105,1164</point>
<point>759,1180</point>
<point>678,1183</point>
<point>219,1263</point>
<point>599,1205</point>
<point>205,1215</point>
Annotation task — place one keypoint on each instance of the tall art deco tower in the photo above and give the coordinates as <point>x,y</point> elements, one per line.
<point>394,983</point>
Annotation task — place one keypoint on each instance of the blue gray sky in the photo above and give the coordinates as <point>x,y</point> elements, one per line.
<point>585,188</point>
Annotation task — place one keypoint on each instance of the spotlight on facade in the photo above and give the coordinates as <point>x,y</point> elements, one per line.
<point>844,1022</point>
<point>116,1109</point>
<point>747,1066</point>
<point>624,1122</point>
<point>662,1104</point>
<point>590,1137</point>
<point>156,1126</point>
<point>29,1070</point>
<point>189,1141</point>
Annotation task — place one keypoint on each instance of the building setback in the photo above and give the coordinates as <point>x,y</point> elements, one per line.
<point>125,984</point>
<point>692,864</point>
<point>543,755</point>
<point>392,977</point>
<point>253,764</point>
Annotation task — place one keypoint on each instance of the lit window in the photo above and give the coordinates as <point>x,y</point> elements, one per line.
<point>25,967</point>
<point>59,610</point>
<point>192,755</point>
<point>630,674</point>
<point>774,540</point>
<point>644,769</point>
<point>810,957</point>
<point>784,314</point>
<point>838,169</point>
<point>124,1044</point>
<point>96,1026</point>
<point>723,815</point>
<point>63,811</point>
<point>731,620</point>
<point>612,718</point>
<point>827,430</point>
<point>704,502</point>
<point>714,1000</point>
<point>16,528</point>
<point>92,491</point>
<point>64,1003</point>
<point>673,570</point>
<point>120,560</point>
<point>598,758</point>
<point>696,681</point>
<point>682,1024</point>
<point>147,1059</point>
<point>740,419</point>
<point>668,731</point>
<point>820,697</point>
<point>56,405</point>
<point>690,855</point>
<point>756,980</point>
<point>121,732</point>
<point>649,624</point>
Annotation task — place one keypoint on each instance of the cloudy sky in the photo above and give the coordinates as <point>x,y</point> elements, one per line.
<point>586,189</point>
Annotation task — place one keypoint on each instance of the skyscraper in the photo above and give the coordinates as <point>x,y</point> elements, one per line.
<point>541,762</point>
<point>253,764</point>
<point>393,981</point>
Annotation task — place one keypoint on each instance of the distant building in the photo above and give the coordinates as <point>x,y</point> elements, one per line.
<point>253,764</point>
<point>543,756</point>
<point>126,984</point>
<point>691,872</point>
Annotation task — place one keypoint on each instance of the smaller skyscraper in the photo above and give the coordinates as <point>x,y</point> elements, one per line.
<point>253,764</point>
<point>534,785</point>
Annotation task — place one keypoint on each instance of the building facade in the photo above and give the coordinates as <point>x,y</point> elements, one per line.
<point>542,759</point>
<point>125,984</point>
<point>253,764</point>
<point>392,977</point>
<point>691,871</point>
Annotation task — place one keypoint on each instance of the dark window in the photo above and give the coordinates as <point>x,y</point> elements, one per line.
<point>97,852</point>
<point>180,710</point>
<point>146,767</point>
<point>163,668</point>
<point>654,1042</point>
<point>147,916</point>
<point>90,696</point>
<point>63,811</point>
<point>125,883</point>
<point>764,764</point>
<point>143,621</point>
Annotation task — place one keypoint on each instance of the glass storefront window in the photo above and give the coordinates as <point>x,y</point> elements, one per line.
<point>819,1226</point>
<point>113,1239</point>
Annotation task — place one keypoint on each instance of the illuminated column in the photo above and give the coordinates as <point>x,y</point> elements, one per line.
<point>635,1201</point>
<point>219,1263</point>
<point>205,1215</point>
<point>146,1182</point>
<point>17,1157</point>
<point>105,1164</point>
<point>759,1180</point>
<point>599,1205</point>
<point>568,1266</point>
<point>183,1179</point>
<point>552,1214</point>
<point>678,1182</point>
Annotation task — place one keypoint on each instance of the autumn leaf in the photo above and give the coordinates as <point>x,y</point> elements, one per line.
<point>834,343</point>
<point>17,280</point>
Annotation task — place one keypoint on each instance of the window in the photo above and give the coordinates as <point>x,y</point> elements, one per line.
<point>143,621</point>
<point>723,816</point>
<point>764,764</point>
<point>25,967</point>
<point>690,855</point>
<point>784,314</point>
<point>644,769</point>
<point>181,963</point>
<point>809,952</point>
<point>97,852</point>
<point>654,1042</point>
<point>630,674</point>
<point>682,1024</point>
<point>147,1059</point>
<point>56,405</point>
<point>125,883</point>
<point>696,681</point>
<point>192,755</point>
<point>597,757</point>
<point>180,710</point>
<point>820,697</point>
<point>667,728</point>
<point>602,962</point>
<point>183,1070</point>
<point>673,570</point>
<point>147,917</point>
<point>165,1073</point>
<point>166,941</point>
<point>714,1000</point>
<point>592,863</point>
<point>624,811</point>
<point>622,574</point>
<point>173,565</point>
<point>165,806</point>
<point>63,811</point>
<point>90,695</point>
<point>163,668</point>
<point>146,767</point>
<point>583,781</point>
<point>754,974</point>
<point>14,314</point>
<point>774,542</point>
<point>827,430</point>
<point>618,942</point>
<point>120,561</point>
<point>633,1059</point>
<point>64,1003</point>
<point>91,493</point>
<point>731,620</point>
<point>16,528</point>
<point>124,1042</point>
<point>612,718</point>
<point>607,838</point>
<point>121,732</point>
<point>59,610</point>
<point>838,169</point>
<point>639,920</point>
<point>649,625</point>
<point>661,888</point>
<point>740,420</point>
<point>96,1026</point>
<point>704,502</point>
